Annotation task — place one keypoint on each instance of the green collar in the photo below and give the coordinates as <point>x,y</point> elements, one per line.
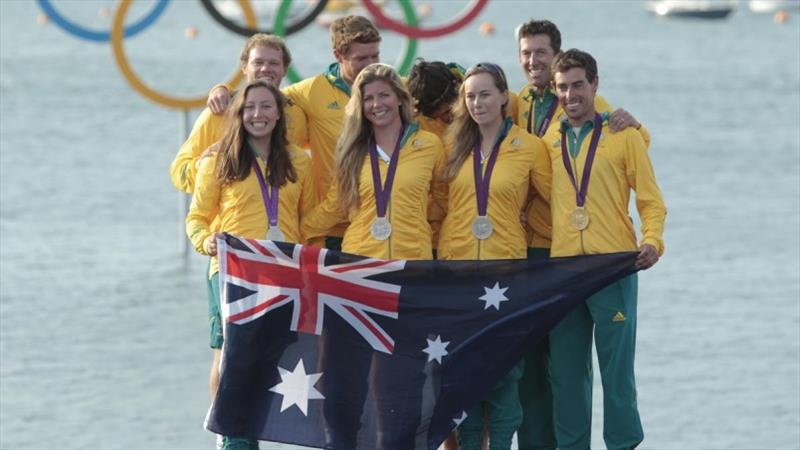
<point>333,77</point>
<point>574,143</point>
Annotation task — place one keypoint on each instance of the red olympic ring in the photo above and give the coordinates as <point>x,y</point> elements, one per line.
<point>382,20</point>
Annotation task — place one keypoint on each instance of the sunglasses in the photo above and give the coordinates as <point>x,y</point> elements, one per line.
<point>487,67</point>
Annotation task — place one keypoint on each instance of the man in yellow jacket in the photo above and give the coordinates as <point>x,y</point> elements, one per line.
<point>263,56</point>
<point>537,110</point>
<point>594,172</point>
<point>322,98</point>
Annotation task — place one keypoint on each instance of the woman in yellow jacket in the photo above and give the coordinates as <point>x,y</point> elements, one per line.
<point>257,186</point>
<point>385,172</point>
<point>491,167</point>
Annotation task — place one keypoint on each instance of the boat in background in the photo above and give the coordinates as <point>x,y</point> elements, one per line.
<point>771,6</point>
<point>695,9</point>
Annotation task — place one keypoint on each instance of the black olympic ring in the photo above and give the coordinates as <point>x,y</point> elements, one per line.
<point>247,32</point>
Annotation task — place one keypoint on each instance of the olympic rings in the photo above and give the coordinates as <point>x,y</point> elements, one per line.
<point>382,20</point>
<point>249,31</point>
<point>119,31</point>
<point>100,36</point>
<point>403,64</point>
<point>138,85</point>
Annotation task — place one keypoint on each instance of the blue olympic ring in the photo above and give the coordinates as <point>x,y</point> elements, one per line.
<point>100,36</point>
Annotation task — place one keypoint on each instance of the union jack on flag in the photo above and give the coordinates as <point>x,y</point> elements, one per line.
<point>278,274</point>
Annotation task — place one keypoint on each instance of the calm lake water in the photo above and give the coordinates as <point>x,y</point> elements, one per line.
<point>103,335</point>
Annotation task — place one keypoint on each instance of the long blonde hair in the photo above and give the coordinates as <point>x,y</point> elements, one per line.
<point>351,149</point>
<point>235,160</point>
<point>463,133</point>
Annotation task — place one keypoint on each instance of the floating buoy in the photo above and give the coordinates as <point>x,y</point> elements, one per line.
<point>104,12</point>
<point>486,28</point>
<point>190,32</point>
<point>781,16</point>
<point>424,9</point>
<point>42,19</point>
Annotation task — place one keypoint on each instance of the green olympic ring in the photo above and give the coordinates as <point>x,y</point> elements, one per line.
<point>403,64</point>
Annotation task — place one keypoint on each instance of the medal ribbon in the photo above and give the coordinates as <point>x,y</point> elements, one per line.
<point>270,198</point>
<point>547,118</point>
<point>382,193</point>
<point>482,182</point>
<point>580,194</point>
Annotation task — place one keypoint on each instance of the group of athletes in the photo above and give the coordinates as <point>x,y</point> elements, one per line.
<point>447,164</point>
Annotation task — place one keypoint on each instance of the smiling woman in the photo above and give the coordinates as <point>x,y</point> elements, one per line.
<point>252,171</point>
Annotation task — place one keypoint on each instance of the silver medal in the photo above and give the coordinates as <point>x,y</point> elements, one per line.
<point>482,227</point>
<point>381,229</point>
<point>275,234</point>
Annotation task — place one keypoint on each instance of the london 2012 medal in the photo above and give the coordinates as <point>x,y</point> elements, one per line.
<point>275,234</point>
<point>381,229</point>
<point>579,218</point>
<point>482,227</point>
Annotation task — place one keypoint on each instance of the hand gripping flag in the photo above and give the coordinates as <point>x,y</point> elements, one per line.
<point>336,351</point>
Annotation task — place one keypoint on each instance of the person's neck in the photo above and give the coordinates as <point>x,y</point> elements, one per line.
<point>540,90</point>
<point>260,146</point>
<point>489,133</point>
<point>577,123</point>
<point>386,137</point>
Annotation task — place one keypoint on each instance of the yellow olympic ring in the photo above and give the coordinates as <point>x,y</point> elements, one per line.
<point>117,29</point>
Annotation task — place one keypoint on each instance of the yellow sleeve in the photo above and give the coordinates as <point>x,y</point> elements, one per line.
<point>184,167</point>
<point>602,105</point>
<point>512,109</point>
<point>324,216</point>
<point>542,173</point>
<point>297,121</point>
<point>205,205</point>
<point>645,133</point>
<point>649,202</point>
<point>437,204</point>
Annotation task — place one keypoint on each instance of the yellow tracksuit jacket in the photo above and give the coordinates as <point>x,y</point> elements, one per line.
<point>240,207</point>
<point>521,164</point>
<point>539,220</point>
<point>621,164</point>
<point>421,159</point>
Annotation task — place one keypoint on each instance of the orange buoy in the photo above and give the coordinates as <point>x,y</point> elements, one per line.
<point>781,16</point>
<point>424,9</point>
<point>42,19</point>
<point>486,29</point>
<point>190,32</point>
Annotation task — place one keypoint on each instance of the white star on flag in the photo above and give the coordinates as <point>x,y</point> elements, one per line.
<point>458,420</point>
<point>494,296</point>
<point>297,387</point>
<point>436,349</point>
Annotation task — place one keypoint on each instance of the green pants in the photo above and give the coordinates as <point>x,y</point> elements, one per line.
<point>503,415</point>
<point>214,315</point>
<point>536,432</point>
<point>232,443</point>
<point>611,314</point>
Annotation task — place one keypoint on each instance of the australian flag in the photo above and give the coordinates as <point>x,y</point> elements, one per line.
<point>337,351</point>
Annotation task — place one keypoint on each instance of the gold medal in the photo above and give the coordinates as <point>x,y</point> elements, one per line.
<point>579,218</point>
